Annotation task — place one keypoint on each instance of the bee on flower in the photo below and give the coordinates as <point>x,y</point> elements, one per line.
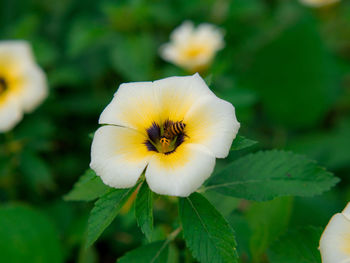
<point>335,240</point>
<point>318,3</point>
<point>22,83</point>
<point>172,130</point>
<point>193,48</point>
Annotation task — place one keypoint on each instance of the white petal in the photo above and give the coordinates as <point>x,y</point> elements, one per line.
<point>119,155</point>
<point>137,105</point>
<point>10,113</point>
<point>176,95</point>
<point>134,105</point>
<point>180,173</point>
<point>335,241</point>
<point>211,35</point>
<point>33,87</point>
<point>212,123</point>
<point>18,49</point>
<point>318,3</point>
<point>346,211</point>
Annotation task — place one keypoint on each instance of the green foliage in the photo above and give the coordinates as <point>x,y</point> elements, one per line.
<point>240,142</point>
<point>144,210</point>
<point>206,232</point>
<point>156,252</point>
<point>267,221</point>
<point>297,82</point>
<point>105,210</point>
<point>297,246</point>
<point>27,235</point>
<point>268,174</point>
<point>87,188</point>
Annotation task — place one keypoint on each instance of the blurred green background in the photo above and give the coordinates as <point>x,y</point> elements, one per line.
<point>285,67</point>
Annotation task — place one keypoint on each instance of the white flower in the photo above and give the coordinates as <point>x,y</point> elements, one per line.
<point>318,3</point>
<point>193,49</point>
<point>22,83</point>
<point>335,240</point>
<point>173,129</point>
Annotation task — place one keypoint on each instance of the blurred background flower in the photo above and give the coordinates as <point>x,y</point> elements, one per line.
<point>193,48</point>
<point>22,83</point>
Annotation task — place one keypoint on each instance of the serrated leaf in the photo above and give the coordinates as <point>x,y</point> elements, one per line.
<point>241,142</point>
<point>297,246</point>
<point>206,232</point>
<point>27,236</point>
<point>267,174</point>
<point>267,221</point>
<point>156,252</point>
<point>144,210</point>
<point>87,188</point>
<point>105,210</point>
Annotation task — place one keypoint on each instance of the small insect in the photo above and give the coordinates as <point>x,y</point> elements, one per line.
<point>171,130</point>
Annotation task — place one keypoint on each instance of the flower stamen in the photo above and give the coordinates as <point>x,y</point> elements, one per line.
<point>166,138</point>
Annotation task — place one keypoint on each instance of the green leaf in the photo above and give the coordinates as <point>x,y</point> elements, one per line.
<point>27,236</point>
<point>294,94</point>
<point>267,174</point>
<point>36,172</point>
<point>144,210</point>
<point>267,221</point>
<point>87,188</point>
<point>297,246</point>
<point>105,210</point>
<point>206,232</point>
<point>156,252</point>
<point>241,142</point>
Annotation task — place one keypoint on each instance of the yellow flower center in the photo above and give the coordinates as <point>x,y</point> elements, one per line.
<point>195,50</point>
<point>165,138</point>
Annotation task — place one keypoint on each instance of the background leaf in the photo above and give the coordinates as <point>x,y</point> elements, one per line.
<point>144,210</point>
<point>206,232</point>
<point>105,210</point>
<point>268,174</point>
<point>297,246</point>
<point>240,142</point>
<point>27,236</point>
<point>87,188</point>
<point>156,252</point>
<point>267,221</point>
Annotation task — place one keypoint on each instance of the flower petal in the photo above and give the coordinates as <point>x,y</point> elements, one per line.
<point>346,211</point>
<point>32,87</point>
<point>134,105</point>
<point>335,240</point>
<point>10,112</point>
<point>137,105</point>
<point>183,33</point>
<point>181,172</point>
<point>212,123</point>
<point>119,155</point>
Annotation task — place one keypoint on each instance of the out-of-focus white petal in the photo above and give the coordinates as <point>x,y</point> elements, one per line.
<point>10,113</point>
<point>212,122</point>
<point>16,53</point>
<point>180,173</point>
<point>346,211</point>
<point>119,155</point>
<point>33,87</point>
<point>335,240</point>
<point>183,33</point>
<point>318,3</point>
<point>210,34</point>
